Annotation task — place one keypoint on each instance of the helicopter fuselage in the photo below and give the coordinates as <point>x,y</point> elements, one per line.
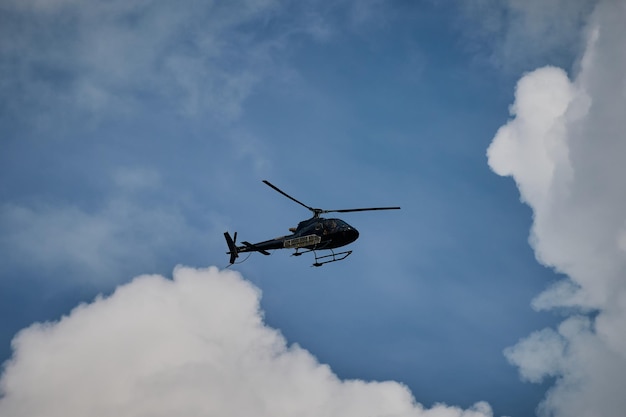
<point>313,234</point>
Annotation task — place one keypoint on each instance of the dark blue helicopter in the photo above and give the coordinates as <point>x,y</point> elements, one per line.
<point>311,235</point>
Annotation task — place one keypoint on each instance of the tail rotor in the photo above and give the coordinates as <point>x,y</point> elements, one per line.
<point>231,242</point>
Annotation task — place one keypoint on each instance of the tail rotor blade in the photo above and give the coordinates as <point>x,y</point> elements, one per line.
<point>233,252</point>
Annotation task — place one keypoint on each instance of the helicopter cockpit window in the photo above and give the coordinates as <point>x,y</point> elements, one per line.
<point>342,225</point>
<point>330,224</point>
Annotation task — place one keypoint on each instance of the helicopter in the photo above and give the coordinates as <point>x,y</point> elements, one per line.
<point>311,235</point>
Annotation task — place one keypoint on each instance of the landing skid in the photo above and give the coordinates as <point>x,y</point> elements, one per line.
<point>325,259</point>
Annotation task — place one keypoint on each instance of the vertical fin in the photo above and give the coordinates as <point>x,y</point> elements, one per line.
<point>234,254</point>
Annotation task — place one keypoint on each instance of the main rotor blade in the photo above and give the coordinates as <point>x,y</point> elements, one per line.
<point>288,196</point>
<point>360,209</point>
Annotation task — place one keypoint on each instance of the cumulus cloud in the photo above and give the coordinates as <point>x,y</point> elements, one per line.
<point>565,148</point>
<point>194,345</point>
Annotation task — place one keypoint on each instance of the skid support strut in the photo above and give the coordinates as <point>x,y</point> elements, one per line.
<point>332,257</point>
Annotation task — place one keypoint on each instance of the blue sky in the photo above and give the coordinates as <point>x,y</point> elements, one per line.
<point>135,133</point>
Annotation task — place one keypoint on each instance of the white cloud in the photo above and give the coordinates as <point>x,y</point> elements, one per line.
<point>194,345</point>
<point>540,353</point>
<point>566,149</point>
<point>532,147</point>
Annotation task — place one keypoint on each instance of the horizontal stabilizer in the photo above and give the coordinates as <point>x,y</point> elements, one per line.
<point>255,248</point>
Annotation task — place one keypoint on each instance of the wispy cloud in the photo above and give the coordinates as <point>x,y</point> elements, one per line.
<point>565,149</point>
<point>99,243</point>
<point>196,57</point>
<point>108,56</point>
<point>524,33</point>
